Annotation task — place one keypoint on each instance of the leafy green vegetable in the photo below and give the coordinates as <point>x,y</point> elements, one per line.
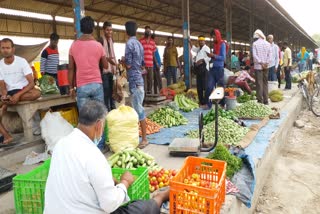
<point>234,164</point>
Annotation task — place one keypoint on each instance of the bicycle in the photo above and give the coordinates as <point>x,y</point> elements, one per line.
<point>315,98</point>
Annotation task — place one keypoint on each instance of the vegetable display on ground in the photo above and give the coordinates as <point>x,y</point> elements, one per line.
<point>131,159</point>
<point>184,103</point>
<point>152,127</point>
<point>246,97</point>
<point>252,109</point>
<point>276,95</point>
<point>168,117</point>
<point>234,164</point>
<point>229,132</point>
<point>210,116</point>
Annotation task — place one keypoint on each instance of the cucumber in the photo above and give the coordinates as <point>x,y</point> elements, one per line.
<point>114,160</point>
<point>129,165</point>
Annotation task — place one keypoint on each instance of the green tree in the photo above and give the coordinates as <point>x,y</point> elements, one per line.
<point>316,38</point>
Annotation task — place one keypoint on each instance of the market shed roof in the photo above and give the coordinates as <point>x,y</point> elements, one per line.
<point>161,15</point>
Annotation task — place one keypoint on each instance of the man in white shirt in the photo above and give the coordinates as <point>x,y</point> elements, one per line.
<point>274,59</point>
<point>201,67</point>
<point>310,60</point>
<point>16,81</point>
<point>80,178</point>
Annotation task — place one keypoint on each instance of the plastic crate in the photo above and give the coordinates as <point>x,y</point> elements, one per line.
<point>187,199</point>
<point>29,190</point>
<point>5,179</point>
<point>139,190</point>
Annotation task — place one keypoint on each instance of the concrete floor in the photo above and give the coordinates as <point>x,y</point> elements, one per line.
<point>160,152</point>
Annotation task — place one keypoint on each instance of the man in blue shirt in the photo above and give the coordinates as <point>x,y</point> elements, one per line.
<point>134,59</point>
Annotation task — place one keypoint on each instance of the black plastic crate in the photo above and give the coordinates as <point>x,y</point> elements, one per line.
<point>6,179</point>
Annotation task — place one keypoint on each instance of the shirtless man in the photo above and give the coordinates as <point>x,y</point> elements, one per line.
<point>16,81</point>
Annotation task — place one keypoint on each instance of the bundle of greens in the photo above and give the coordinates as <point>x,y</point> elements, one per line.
<point>234,164</point>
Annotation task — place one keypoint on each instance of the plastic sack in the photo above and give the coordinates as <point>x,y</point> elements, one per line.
<point>48,85</point>
<point>53,128</point>
<point>123,128</point>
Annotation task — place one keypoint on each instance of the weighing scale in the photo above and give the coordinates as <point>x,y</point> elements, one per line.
<point>193,147</point>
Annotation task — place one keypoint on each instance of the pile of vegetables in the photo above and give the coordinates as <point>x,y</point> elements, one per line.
<point>193,94</point>
<point>132,159</point>
<point>276,95</point>
<point>246,97</point>
<point>179,87</point>
<point>184,103</point>
<point>167,117</point>
<point>252,109</point>
<point>210,116</point>
<point>152,127</point>
<point>229,132</point>
<point>234,164</point>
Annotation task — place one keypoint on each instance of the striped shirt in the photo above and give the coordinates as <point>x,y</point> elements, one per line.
<point>261,50</point>
<point>49,61</point>
<point>149,49</point>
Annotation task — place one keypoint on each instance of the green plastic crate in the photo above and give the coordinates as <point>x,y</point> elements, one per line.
<point>139,190</point>
<point>29,190</point>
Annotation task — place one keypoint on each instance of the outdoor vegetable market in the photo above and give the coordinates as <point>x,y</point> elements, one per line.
<point>157,107</point>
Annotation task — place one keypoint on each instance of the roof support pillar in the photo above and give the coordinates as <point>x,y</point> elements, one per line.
<point>228,15</point>
<point>186,48</point>
<point>78,8</point>
<point>251,25</point>
<point>54,24</point>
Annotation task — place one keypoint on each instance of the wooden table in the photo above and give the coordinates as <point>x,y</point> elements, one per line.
<point>27,109</point>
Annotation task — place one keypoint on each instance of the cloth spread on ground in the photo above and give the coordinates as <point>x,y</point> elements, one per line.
<point>166,135</point>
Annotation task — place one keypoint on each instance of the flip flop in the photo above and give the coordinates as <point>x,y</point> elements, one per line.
<point>142,146</point>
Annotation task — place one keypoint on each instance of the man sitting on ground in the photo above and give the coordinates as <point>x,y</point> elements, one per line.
<point>16,81</point>
<point>80,178</point>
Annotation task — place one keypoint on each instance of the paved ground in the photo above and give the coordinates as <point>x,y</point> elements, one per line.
<point>160,152</point>
<point>293,186</point>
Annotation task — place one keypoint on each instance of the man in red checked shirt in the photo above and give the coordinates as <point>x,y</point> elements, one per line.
<point>241,80</point>
<point>149,47</point>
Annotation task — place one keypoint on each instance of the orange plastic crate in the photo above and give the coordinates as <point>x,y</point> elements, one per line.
<point>188,199</point>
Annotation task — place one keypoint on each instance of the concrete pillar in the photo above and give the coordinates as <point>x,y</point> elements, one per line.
<point>228,15</point>
<point>78,7</point>
<point>251,25</point>
<point>186,36</point>
<point>54,24</point>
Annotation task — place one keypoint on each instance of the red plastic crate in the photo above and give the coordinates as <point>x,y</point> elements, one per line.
<point>188,199</point>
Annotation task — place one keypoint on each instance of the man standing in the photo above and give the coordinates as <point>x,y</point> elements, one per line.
<point>16,81</point>
<point>84,55</point>
<point>50,57</point>
<point>80,178</point>
<point>157,83</point>
<point>261,50</point>
<point>108,75</point>
<point>287,63</point>
<point>216,73</point>
<point>134,61</point>
<point>149,47</point>
<point>171,61</point>
<point>201,68</point>
<point>274,63</point>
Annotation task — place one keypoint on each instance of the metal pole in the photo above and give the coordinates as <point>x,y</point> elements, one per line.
<point>228,13</point>
<point>78,6</point>
<point>186,36</point>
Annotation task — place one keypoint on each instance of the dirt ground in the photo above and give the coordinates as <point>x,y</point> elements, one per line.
<point>293,186</point>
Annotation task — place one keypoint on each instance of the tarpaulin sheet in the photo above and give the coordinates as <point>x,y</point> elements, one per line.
<point>166,135</point>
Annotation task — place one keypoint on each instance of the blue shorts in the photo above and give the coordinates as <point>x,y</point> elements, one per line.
<point>137,101</point>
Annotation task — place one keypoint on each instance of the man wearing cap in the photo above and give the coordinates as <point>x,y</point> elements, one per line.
<point>201,67</point>
<point>261,52</point>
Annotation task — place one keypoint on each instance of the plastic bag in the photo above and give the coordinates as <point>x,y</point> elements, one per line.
<point>123,128</point>
<point>48,85</point>
<point>53,128</point>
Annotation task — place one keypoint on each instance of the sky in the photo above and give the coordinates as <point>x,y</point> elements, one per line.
<point>304,12</point>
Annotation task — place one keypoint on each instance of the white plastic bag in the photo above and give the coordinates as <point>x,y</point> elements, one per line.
<point>53,128</point>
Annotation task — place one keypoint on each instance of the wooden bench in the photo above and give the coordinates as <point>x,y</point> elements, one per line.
<point>27,109</point>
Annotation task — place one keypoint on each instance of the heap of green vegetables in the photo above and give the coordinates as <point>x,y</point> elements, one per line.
<point>210,116</point>
<point>132,159</point>
<point>234,164</point>
<point>167,117</point>
<point>229,132</point>
<point>252,109</point>
<point>184,103</point>
<point>246,97</point>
